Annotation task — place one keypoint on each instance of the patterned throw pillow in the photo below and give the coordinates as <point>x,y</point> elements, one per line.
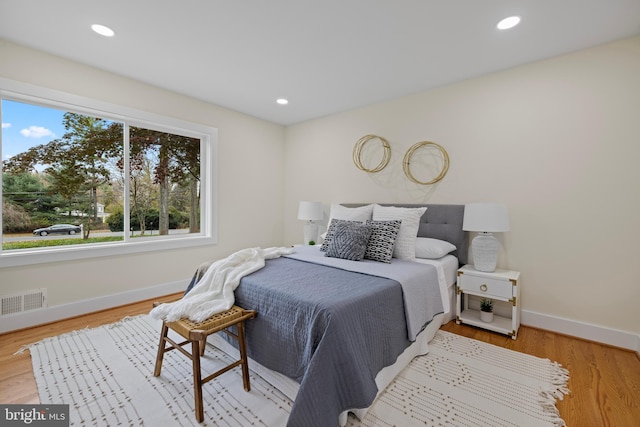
<point>349,241</point>
<point>382,240</point>
<point>331,229</point>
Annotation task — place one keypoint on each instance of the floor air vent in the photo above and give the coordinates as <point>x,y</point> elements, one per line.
<point>29,300</point>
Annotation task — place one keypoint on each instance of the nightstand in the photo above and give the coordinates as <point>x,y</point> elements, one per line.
<point>502,286</point>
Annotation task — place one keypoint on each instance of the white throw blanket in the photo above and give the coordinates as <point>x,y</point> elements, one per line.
<point>214,291</point>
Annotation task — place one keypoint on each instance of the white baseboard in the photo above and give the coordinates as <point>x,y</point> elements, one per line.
<point>587,331</point>
<point>12,322</point>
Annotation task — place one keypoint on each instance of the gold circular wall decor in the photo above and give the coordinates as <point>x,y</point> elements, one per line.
<point>357,152</point>
<point>407,161</point>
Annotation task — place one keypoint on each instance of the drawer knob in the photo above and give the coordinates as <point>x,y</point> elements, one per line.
<point>483,287</point>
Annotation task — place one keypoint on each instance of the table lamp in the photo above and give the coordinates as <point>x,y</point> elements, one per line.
<point>310,212</point>
<point>485,218</point>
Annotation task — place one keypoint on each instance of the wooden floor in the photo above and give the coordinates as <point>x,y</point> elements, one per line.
<point>604,381</point>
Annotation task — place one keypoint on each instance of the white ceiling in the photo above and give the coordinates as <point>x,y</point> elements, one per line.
<point>324,56</point>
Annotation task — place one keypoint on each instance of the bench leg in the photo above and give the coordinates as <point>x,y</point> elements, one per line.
<point>203,345</point>
<point>197,380</point>
<point>242,343</point>
<point>161,349</point>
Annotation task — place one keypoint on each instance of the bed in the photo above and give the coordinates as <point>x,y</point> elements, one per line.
<point>332,333</point>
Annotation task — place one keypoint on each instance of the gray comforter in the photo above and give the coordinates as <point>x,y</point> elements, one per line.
<point>419,283</point>
<point>332,330</point>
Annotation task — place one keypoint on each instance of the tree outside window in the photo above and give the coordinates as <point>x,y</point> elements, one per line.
<point>117,189</point>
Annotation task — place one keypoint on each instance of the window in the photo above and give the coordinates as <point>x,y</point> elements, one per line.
<point>84,179</point>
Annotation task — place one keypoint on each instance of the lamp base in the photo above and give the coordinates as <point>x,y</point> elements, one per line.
<point>310,232</point>
<point>484,248</point>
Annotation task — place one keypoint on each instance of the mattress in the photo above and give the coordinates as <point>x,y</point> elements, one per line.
<point>447,268</point>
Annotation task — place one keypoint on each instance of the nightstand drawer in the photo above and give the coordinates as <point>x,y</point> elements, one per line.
<point>486,286</point>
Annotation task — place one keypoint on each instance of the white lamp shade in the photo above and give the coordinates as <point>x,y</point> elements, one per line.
<point>310,211</point>
<point>485,217</point>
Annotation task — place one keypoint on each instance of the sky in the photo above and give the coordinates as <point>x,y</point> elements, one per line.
<point>27,125</point>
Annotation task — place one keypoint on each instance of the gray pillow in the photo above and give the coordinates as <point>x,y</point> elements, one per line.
<point>331,229</point>
<point>382,240</point>
<point>349,241</point>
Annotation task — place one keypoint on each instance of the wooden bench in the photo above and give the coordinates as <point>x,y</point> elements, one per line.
<point>196,333</point>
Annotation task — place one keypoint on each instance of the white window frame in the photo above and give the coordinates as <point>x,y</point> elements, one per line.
<point>22,92</point>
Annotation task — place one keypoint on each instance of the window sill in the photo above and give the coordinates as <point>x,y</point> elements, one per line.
<point>41,256</point>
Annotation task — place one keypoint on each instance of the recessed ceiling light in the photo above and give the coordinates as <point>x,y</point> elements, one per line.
<point>102,30</point>
<point>282,101</point>
<point>509,22</point>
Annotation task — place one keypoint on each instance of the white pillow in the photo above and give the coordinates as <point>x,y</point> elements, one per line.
<point>432,248</point>
<point>405,247</point>
<point>361,214</point>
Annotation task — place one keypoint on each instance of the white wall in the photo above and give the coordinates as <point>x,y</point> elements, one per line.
<point>250,193</point>
<point>554,140</point>
<point>557,141</point>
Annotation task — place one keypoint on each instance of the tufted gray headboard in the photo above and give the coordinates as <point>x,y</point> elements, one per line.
<point>442,222</point>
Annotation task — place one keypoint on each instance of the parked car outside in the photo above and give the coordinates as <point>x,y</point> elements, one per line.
<point>57,229</point>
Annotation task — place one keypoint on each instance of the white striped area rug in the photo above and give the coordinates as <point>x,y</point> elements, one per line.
<point>106,376</point>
